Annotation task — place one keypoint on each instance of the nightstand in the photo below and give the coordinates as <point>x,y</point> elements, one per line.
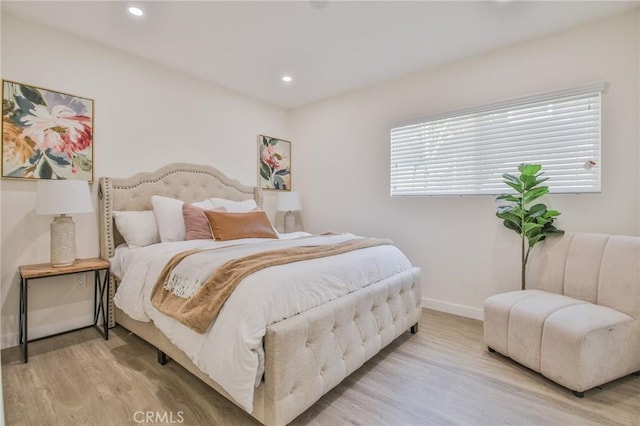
<point>45,270</point>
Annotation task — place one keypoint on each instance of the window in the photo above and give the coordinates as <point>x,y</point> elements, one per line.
<point>466,152</point>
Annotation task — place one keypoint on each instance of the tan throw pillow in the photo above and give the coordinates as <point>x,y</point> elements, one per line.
<point>196,223</point>
<point>233,226</point>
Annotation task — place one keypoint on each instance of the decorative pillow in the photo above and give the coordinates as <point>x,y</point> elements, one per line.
<point>168,212</point>
<point>138,228</point>
<point>233,226</point>
<point>234,206</point>
<point>196,222</point>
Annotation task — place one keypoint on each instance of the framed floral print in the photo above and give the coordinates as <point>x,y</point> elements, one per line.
<point>274,163</point>
<point>45,134</point>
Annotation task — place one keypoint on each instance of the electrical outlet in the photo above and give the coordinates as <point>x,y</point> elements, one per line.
<point>81,281</point>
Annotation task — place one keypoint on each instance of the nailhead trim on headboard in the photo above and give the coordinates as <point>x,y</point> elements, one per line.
<point>113,193</point>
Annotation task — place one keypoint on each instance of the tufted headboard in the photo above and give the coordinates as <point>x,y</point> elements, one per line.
<point>187,182</point>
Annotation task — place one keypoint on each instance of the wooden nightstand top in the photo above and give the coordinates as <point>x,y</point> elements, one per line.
<point>42,270</point>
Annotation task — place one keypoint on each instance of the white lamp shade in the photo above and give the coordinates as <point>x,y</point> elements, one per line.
<point>288,201</point>
<point>63,197</point>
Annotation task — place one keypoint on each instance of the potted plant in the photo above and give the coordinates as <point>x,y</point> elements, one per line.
<point>534,223</point>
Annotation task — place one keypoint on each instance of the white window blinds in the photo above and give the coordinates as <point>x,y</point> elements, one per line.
<point>466,152</point>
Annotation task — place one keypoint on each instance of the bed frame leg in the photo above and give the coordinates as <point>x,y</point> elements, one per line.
<point>162,357</point>
<point>414,328</point>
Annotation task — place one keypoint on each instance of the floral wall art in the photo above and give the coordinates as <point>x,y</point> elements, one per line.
<point>45,134</point>
<point>275,163</point>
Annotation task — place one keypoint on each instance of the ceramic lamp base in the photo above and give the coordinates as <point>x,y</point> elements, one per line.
<point>63,241</point>
<point>289,222</point>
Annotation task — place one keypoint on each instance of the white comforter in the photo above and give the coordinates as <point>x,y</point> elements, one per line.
<point>231,352</point>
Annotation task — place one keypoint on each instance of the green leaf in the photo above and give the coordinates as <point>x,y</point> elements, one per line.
<point>83,162</point>
<point>509,197</point>
<point>509,217</point>
<point>527,180</point>
<point>536,193</point>
<point>528,227</point>
<point>513,226</point>
<point>45,171</point>
<point>556,232</point>
<point>538,207</point>
<point>529,169</point>
<point>505,209</point>
<point>282,172</point>
<point>517,210</point>
<point>535,182</point>
<point>265,172</point>
<point>552,213</point>
<point>273,141</point>
<point>518,187</point>
<point>537,210</point>
<point>510,178</point>
<point>32,94</point>
<point>543,220</point>
<point>535,239</point>
<point>25,105</point>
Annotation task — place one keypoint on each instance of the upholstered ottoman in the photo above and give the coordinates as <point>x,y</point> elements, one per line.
<point>581,327</point>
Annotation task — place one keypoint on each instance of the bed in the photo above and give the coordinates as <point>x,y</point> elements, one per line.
<point>305,355</point>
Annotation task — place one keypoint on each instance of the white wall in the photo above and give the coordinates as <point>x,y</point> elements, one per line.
<point>145,116</point>
<point>342,153</point>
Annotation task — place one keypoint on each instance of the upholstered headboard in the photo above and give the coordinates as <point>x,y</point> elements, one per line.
<point>187,182</point>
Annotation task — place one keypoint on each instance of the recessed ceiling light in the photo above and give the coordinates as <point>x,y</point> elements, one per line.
<point>135,11</point>
<point>287,78</point>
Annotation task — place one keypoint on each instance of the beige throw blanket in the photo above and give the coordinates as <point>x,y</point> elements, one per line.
<point>200,310</point>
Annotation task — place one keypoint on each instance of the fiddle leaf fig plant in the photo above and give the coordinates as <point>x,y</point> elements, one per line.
<point>534,222</point>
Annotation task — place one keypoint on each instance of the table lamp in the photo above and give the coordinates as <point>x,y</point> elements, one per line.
<point>288,202</point>
<point>63,197</point>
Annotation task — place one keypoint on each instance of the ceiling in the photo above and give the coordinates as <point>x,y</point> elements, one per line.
<point>328,47</point>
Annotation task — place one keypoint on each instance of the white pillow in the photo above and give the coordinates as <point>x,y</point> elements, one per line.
<point>138,229</point>
<point>168,212</point>
<point>234,206</point>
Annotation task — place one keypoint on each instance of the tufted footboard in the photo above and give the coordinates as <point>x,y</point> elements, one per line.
<point>309,354</point>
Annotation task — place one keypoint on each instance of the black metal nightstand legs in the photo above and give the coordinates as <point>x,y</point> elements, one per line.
<point>99,303</point>
<point>22,320</point>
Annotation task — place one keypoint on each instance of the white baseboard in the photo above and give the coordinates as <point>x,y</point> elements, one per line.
<point>452,308</point>
<point>11,339</point>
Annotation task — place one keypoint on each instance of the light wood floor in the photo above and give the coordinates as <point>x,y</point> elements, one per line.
<point>443,375</point>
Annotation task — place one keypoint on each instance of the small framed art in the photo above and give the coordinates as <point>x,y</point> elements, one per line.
<point>45,134</point>
<point>274,163</point>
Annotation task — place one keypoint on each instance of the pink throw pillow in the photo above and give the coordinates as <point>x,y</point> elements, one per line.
<point>196,223</point>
